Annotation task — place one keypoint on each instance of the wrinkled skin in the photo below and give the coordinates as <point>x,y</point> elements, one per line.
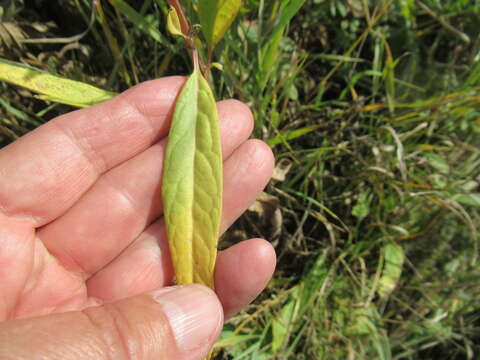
<point>81,211</point>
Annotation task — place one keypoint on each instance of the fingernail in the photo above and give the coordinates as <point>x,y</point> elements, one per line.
<point>195,316</point>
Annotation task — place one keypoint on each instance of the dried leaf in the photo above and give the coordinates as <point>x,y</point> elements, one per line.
<point>11,33</point>
<point>268,215</point>
<point>281,170</point>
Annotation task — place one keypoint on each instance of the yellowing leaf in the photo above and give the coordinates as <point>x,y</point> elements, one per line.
<point>173,22</point>
<point>216,16</point>
<point>192,183</point>
<point>52,87</point>
<point>217,66</point>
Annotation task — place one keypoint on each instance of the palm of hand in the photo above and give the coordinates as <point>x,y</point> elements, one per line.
<point>81,210</point>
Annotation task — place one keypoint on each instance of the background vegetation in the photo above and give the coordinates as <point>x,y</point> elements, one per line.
<point>372,108</point>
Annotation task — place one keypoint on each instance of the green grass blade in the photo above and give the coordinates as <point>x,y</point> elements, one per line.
<point>140,21</point>
<point>269,52</point>
<point>290,135</point>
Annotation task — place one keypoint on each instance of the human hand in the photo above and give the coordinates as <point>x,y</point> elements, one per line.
<point>84,261</point>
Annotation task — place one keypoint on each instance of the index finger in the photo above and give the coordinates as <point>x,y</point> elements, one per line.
<point>45,172</point>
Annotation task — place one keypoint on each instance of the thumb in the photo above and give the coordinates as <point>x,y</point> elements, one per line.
<point>180,322</point>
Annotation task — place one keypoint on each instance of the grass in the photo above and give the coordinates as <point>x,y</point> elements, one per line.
<point>374,106</point>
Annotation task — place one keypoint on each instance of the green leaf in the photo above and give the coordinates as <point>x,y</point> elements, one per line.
<point>230,338</point>
<point>407,7</point>
<point>281,325</point>
<point>472,199</point>
<point>216,16</point>
<point>362,207</point>
<point>52,87</point>
<point>192,183</point>
<point>269,53</point>
<point>290,135</point>
<point>140,21</point>
<point>438,162</point>
<point>392,270</point>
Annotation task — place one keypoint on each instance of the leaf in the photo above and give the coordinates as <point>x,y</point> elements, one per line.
<point>140,21</point>
<point>392,270</point>
<point>281,325</point>
<point>364,321</point>
<point>362,207</point>
<point>269,52</point>
<point>11,33</point>
<point>230,338</point>
<point>389,74</point>
<point>216,16</point>
<point>281,170</point>
<point>472,199</point>
<point>407,7</point>
<point>438,162</point>
<point>52,87</point>
<point>173,22</point>
<point>290,135</point>
<point>217,66</point>
<point>192,183</point>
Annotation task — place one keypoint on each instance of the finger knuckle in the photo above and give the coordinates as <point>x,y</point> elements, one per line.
<point>113,333</point>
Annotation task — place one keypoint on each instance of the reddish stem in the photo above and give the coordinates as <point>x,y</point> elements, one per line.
<point>189,41</point>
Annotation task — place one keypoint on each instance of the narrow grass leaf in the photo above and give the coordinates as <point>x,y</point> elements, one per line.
<point>192,183</point>
<point>290,135</point>
<point>230,338</point>
<point>282,323</point>
<point>390,78</point>
<point>18,113</point>
<point>407,7</point>
<point>469,200</point>
<point>269,52</point>
<point>216,16</point>
<point>438,162</point>
<point>141,22</point>
<point>52,87</point>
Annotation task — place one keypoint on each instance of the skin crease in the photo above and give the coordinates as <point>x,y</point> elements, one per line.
<point>83,241</point>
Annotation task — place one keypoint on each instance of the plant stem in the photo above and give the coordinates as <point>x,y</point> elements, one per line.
<point>189,41</point>
<point>196,61</point>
